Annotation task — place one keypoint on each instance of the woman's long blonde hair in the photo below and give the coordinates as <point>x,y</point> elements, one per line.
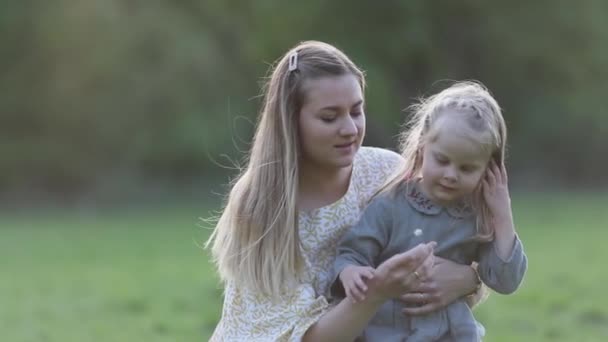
<point>476,107</point>
<point>256,242</point>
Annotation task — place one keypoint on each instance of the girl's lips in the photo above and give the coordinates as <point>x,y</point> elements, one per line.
<point>447,188</point>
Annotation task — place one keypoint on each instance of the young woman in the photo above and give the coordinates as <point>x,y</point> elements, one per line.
<point>306,183</point>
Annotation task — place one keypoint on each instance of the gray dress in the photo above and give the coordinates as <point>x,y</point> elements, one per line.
<point>396,222</point>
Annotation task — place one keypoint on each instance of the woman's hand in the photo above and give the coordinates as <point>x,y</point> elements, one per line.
<point>448,282</point>
<point>402,273</point>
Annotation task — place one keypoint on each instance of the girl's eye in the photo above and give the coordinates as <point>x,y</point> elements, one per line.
<point>328,119</point>
<point>356,113</point>
<point>469,169</point>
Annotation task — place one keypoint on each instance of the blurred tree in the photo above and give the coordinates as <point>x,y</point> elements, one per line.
<point>108,93</point>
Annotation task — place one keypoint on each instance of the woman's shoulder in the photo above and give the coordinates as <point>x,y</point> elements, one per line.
<point>373,167</point>
<point>379,159</point>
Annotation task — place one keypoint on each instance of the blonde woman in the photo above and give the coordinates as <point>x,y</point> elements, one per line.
<point>306,183</point>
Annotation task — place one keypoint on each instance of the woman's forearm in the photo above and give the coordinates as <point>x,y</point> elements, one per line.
<point>450,282</point>
<point>469,280</point>
<point>344,322</point>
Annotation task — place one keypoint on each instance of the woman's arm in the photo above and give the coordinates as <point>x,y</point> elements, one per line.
<point>399,274</point>
<point>345,321</point>
<point>448,282</point>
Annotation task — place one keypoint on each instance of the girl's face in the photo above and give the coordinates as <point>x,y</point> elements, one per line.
<point>332,121</point>
<point>452,164</point>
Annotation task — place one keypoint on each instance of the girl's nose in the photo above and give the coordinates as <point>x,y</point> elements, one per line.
<point>450,174</point>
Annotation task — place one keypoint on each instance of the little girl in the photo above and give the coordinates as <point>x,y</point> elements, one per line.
<point>452,189</point>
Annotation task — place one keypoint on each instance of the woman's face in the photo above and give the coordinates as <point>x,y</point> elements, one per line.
<point>331,121</point>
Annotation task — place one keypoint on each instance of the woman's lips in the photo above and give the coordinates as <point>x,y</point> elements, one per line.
<point>345,145</point>
<point>345,148</point>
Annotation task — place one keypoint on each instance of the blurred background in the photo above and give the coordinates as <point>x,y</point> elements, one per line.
<point>122,121</point>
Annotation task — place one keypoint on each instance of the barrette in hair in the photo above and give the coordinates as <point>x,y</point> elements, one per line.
<point>293,61</point>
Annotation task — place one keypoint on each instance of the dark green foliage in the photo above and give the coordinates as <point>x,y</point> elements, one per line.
<point>96,92</point>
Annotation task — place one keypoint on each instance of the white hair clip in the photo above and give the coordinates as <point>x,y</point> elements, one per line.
<point>293,61</point>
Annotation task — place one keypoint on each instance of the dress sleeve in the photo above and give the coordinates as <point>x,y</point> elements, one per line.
<point>249,316</point>
<point>362,244</point>
<point>502,276</point>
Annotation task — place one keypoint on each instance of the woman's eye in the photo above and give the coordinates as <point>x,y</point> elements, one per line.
<point>328,119</point>
<point>356,113</point>
<point>442,161</point>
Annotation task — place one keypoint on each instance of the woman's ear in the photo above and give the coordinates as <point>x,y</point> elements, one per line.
<point>418,159</point>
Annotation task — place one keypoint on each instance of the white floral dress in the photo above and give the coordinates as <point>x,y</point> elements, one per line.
<point>250,316</point>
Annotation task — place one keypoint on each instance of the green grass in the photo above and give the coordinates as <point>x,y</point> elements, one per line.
<point>142,275</point>
<point>563,297</point>
<point>117,277</point>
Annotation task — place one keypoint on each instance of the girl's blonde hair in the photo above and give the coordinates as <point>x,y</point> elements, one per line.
<point>256,242</point>
<point>476,107</point>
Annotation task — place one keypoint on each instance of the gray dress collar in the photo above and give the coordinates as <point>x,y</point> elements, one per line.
<point>419,201</point>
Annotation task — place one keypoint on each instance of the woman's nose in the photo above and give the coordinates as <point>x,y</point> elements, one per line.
<point>349,127</point>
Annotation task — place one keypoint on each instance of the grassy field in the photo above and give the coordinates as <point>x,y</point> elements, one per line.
<point>141,275</point>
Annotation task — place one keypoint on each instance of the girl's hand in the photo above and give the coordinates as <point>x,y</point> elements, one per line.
<point>448,282</point>
<point>496,195</point>
<point>496,191</point>
<point>352,278</point>
<point>403,272</point>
